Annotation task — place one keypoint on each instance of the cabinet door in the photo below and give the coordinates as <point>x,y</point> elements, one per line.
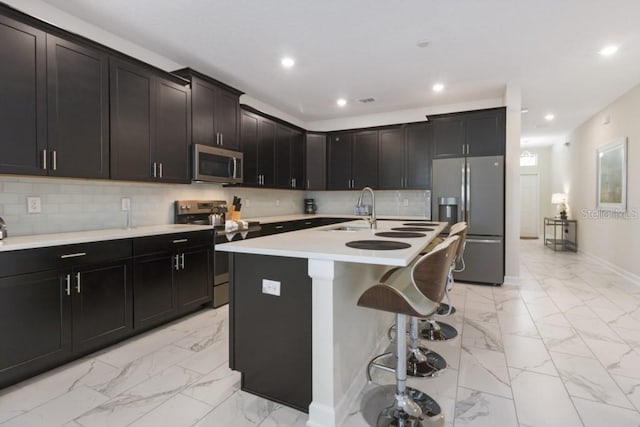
<point>297,159</point>
<point>154,293</point>
<point>195,284</point>
<point>486,132</point>
<point>226,115</point>
<point>102,304</point>
<point>284,137</point>
<point>340,153</point>
<point>365,159</point>
<point>204,106</point>
<point>419,142</point>
<point>23,101</point>
<point>392,159</point>
<point>249,143</point>
<point>132,99</point>
<point>448,137</point>
<point>78,110</point>
<point>35,324</point>
<point>170,147</point>
<point>316,159</point>
<point>266,151</point>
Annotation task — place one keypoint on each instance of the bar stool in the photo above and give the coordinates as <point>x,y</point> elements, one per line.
<point>436,330</point>
<point>407,298</point>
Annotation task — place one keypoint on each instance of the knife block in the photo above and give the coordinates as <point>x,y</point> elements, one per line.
<point>234,215</point>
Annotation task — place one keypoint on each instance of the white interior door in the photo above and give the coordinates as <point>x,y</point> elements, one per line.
<point>529,205</point>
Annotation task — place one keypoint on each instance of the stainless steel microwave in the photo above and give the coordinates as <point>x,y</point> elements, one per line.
<point>213,164</point>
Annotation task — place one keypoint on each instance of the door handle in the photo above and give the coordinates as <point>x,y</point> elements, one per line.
<point>78,282</point>
<point>222,139</point>
<point>68,284</point>
<point>495,242</point>
<point>176,263</point>
<point>44,159</point>
<point>54,160</point>
<point>217,138</point>
<point>160,170</point>
<point>180,240</point>
<point>154,169</point>
<point>182,260</point>
<point>74,255</point>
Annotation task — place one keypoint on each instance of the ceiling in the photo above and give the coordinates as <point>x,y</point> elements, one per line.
<point>367,48</point>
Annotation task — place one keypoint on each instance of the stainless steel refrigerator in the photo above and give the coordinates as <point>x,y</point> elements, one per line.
<point>476,186</point>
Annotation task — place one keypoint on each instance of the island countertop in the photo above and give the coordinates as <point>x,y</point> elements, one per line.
<point>328,243</point>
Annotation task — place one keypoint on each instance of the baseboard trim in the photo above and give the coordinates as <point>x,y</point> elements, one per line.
<point>511,281</point>
<point>616,269</point>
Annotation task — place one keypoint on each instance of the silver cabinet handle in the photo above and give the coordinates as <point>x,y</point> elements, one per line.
<point>54,161</point>
<point>222,139</point>
<point>182,260</point>
<point>235,168</point>
<point>78,282</point>
<point>67,289</point>
<point>44,159</point>
<point>154,169</point>
<point>160,170</point>
<point>217,138</point>
<point>180,240</point>
<point>176,262</point>
<point>308,184</point>
<point>75,255</point>
<point>279,227</point>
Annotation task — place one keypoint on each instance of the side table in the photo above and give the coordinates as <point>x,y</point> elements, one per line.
<point>561,234</point>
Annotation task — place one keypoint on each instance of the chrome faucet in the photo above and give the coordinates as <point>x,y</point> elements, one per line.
<point>372,218</point>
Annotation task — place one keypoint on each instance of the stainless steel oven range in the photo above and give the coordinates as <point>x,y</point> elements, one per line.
<point>213,212</point>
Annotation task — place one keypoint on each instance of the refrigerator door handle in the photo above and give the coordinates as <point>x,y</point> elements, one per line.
<point>468,198</point>
<point>482,241</point>
<point>463,203</point>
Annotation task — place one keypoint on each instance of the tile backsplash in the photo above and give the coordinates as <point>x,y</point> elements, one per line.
<point>78,204</point>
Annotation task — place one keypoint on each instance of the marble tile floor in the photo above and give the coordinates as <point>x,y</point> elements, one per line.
<point>560,349</point>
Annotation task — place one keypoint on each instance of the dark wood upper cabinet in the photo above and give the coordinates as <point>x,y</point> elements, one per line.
<point>78,110</point>
<point>340,154</point>
<point>23,102</point>
<point>297,159</point>
<point>392,158</point>
<point>150,126</point>
<point>365,159</point>
<point>289,157</point>
<point>470,133</point>
<point>419,146</point>
<point>215,111</point>
<point>448,137</point>
<point>316,161</point>
<point>353,160</point>
<point>249,138</point>
<point>486,132</point>
<point>266,151</point>
<point>170,149</point>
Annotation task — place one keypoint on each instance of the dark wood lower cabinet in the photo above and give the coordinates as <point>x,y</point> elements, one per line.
<point>35,324</point>
<point>59,303</point>
<point>270,336</point>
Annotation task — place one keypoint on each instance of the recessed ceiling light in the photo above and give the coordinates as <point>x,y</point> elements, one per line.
<point>549,117</point>
<point>423,43</point>
<point>438,87</point>
<point>288,62</point>
<point>341,102</point>
<point>524,110</point>
<point>608,50</point>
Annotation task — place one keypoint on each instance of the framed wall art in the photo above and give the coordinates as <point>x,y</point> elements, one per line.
<point>612,176</point>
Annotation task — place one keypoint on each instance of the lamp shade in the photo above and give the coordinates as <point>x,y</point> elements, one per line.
<point>557,198</point>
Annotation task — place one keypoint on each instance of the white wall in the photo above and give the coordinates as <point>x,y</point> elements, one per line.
<point>513,101</point>
<point>614,239</point>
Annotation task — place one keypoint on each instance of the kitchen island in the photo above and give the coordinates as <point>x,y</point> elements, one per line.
<point>296,333</point>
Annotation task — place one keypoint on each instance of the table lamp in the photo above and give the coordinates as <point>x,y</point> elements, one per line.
<point>560,199</point>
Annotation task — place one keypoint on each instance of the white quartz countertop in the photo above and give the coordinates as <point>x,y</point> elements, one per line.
<point>295,217</point>
<point>330,244</point>
<point>59,239</point>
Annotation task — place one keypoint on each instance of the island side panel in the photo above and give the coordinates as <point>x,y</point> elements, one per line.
<point>270,336</point>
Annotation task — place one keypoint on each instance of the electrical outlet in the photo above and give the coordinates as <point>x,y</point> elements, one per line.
<point>34,205</point>
<point>125,204</point>
<point>406,202</point>
<point>271,287</point>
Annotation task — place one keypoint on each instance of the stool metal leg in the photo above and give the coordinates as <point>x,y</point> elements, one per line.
<point>422,362</point>
<point>403,401</point>
<point>438,331</point>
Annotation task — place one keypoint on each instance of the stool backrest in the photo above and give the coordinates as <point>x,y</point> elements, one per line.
<point>459,229</point>
<point>430,272</point>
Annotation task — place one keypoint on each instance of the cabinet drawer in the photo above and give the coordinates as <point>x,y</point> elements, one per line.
<point>59,257</point>
<point>169,243</point>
